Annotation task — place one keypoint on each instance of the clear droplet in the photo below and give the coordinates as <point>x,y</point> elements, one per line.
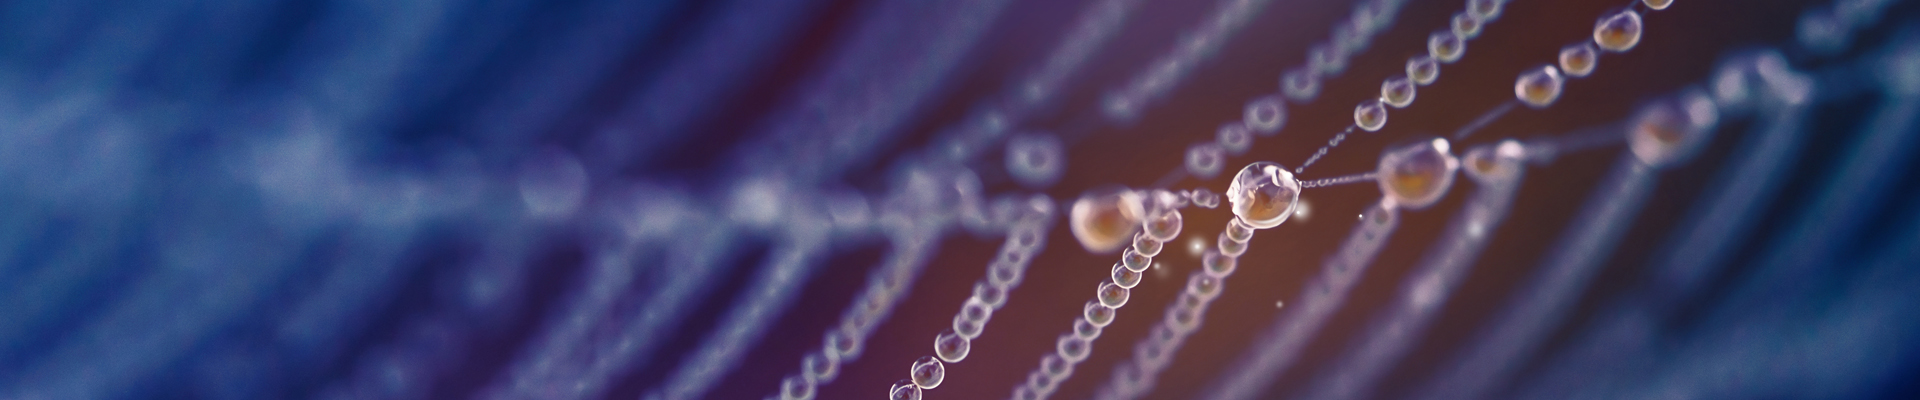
<point>1329,60</point>
<point>840,344</point>
<point>951,347</point>
<point>1039,383</point>
<point>1086,329</point>
<point>1112,295</point>
<point>1035,160</point>
<point>1203,286</point>
<point>1539,87</point>
<point>1466,26</point>
<point>1134,260</point>
<point>1263,194</point>
<point>1670,130</point>
<point>1055,367</point>
<point>927,372</point>
<point>1204,198</point>
<point>1301,84</point>
<point>1204,160</point>
<point>1004,274</point>
<point>904,390</point>
<point>1446,47</point>
<point>1073,348</point>
<point>1183,320</point>
<point>1230,247</point>
<point>1234,137</point>
<point>1103,218</point>
<point>976,311</point>
<point>1423,70</point>
<point>1150,352</point>
<point>1578,60</point>
<point>1099,315</point>
<point>1485,10</point>
<point>1397,91</point>
<point>1126,278</point>
<point>1618,32</point>
<point>1162,224</point>
<point>1416,176</point>
<point>1370,115</point>
<point>1495,163</point>
<point>820,366</point>
<point>1264,115</point>
<point>1238,231</point>
<point>1022,392</point>
<point>1218,265</point>
<point>967,328</point>
<point>796,388</point>
<point>993,296</point>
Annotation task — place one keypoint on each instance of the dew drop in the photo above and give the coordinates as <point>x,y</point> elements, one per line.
<point>1264,115</point>
<point>927,372</point>
<point>1416,176</point>
<point>1539,87</point>
<point>1578,60</point>
<point>1370,115</point>
<point>1618,32</point>
<point>1446,47</point>
<point>1103,218</point>
<point>951,347</point>
<point>1397,91</point>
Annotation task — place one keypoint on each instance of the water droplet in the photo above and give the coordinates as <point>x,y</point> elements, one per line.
<point>927,372</point>
<point>1103,218</point>
<point>1370,115</point>
<point>1264,115</point>
<point>1099,315</point>
<point>796,388</point>
<point>1328,60</point>
<point>1657,5</point>
<point>1204,198</point>
<point>1055,367</point>
<point>951,347</point>
<point>1085,329</point>
<point>1234,137</point>
<point>1578,60</point>
<point>1163,224</point>
<point>1423,70</point>
<point>1039,383</point>
<point>820,366</point>
<point>1397,91</point>
<point>1485,10</point>
<point>1446,47</point>
<point>1204,286</point>
<point>1112,295</point>
<point>904,390</point>
<point>1466,26</point>
<point>1204,160</point>
<point>1134,260</point>
<point>1073,348</point>
<point>1669,130</point>
<point>1263,194</point>
<point>1124,277</point>
<point>1494,163</point>
<point>1539,87</point>
<point>1617,32</point>
<point>1416,176</point>
<point>1230,247</point>
<point>1218,265</point>
<point>967,328</point>
<point>993,296</point>
<point>1301,84</point>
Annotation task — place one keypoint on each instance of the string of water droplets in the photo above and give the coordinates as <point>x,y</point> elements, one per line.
<point>1160,222</point>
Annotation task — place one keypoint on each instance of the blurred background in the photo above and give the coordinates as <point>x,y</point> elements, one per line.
<point>688,199</point>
